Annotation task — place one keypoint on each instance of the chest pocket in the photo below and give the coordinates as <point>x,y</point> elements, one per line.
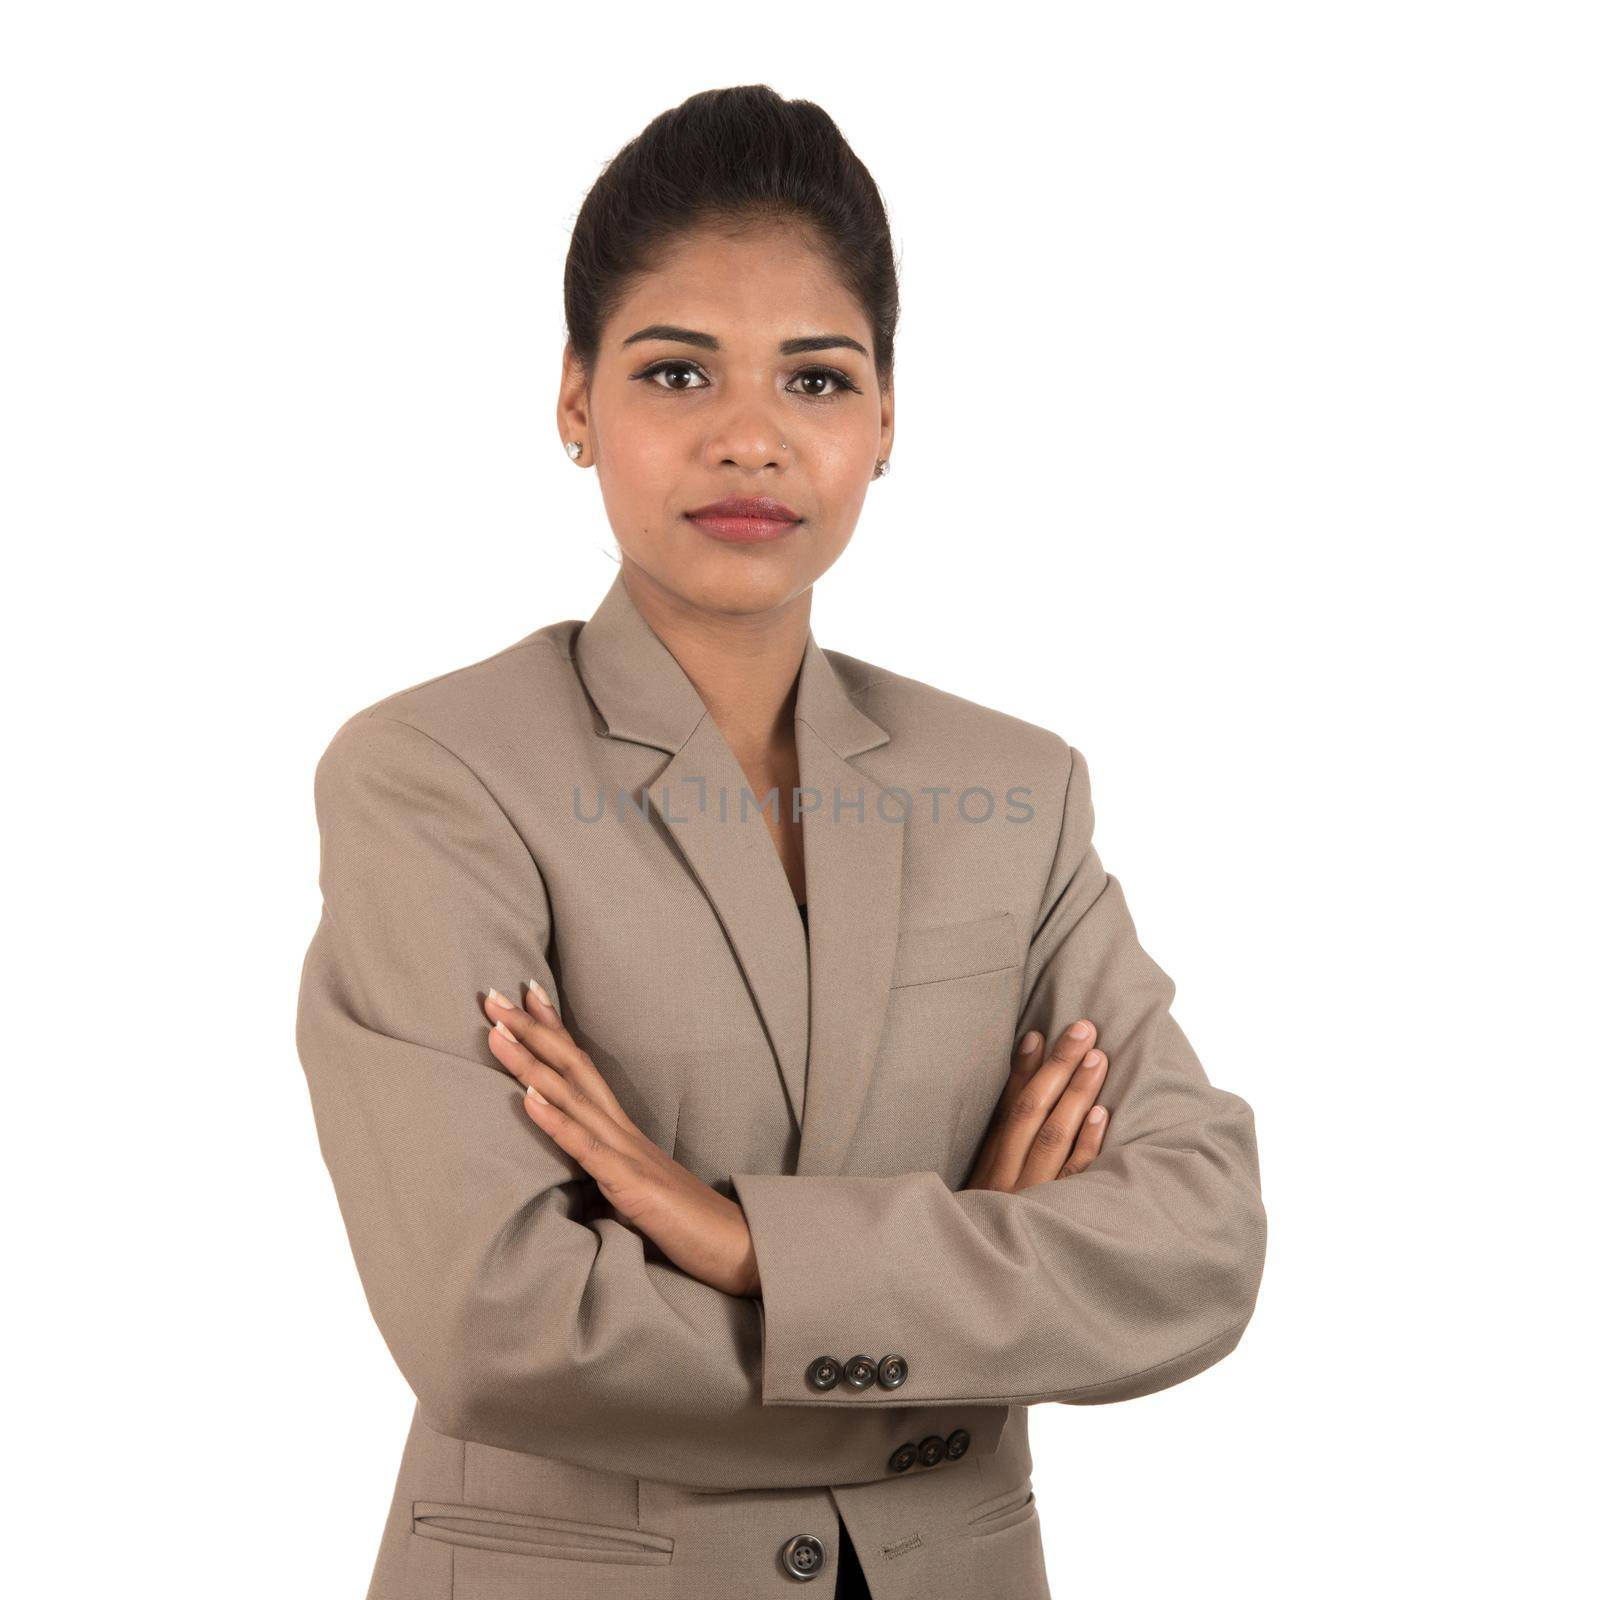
<point>956,950</point>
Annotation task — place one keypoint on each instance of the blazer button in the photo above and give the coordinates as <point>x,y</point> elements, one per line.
<point>861,1372</point>
<point>892,1371</point>
<point>904,1457</point>
<point>931,1451</point>
<point>823,1373</point>
<point>956,1445</point>
<point>803,1556</point>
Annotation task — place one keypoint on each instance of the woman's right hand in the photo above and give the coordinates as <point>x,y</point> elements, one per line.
<point>1046,1123</point>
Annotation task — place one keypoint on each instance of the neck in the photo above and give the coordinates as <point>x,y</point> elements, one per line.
<point>744,666</point>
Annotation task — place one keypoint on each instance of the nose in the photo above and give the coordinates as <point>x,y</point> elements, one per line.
<point>750,437</point>
<point>753,455</point>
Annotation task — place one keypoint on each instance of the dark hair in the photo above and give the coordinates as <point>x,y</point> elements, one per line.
<point>731,159</point>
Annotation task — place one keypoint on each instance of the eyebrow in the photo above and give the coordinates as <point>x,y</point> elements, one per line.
<point>708,341</point>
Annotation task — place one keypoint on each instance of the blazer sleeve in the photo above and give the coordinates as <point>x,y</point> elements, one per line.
<point>1115,1282</point>
<point>517,1322</point>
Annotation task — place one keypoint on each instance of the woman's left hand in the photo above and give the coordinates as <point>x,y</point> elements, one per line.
<point>703,1232</point>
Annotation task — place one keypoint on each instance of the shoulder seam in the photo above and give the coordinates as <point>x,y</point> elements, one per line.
<point>472,772</point>
<point>441,677</point>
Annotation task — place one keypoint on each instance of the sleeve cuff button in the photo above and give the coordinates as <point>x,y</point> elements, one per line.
<point>861,1372</point>
<point>823,1373</point>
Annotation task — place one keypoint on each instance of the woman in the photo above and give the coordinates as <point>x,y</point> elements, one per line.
<point>729,1253</point>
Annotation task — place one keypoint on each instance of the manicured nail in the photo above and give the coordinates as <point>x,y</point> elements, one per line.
<point>1080,1030</point>
<point>1094,1058</point>
<point>500,1027</point>
<point>1031,1040</point>
<point>533,1094</point>
<point>536,988</point>
<point>500,1000</point>
<point>1098,1114</point>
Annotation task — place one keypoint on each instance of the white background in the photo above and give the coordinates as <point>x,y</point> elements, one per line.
<point>1247,414</point>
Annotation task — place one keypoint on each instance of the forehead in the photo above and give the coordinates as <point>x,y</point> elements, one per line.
<point>755,289</point>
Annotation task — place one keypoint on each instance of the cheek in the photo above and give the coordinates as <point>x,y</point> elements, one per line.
<point>638,482</point>
<point>644,462</point>
<point>640,438</point>
<point>841,505</point>
<point>842,475</point>
<point>844,457</point>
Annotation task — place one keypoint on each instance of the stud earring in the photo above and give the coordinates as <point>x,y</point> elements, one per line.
<point>574,449</point>
<point>880,470</point>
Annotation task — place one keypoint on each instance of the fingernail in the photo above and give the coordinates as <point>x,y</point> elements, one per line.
<point>500,1027</point>
<point>500,1000</point>
<point>1093,1059</point>
<point>1031,1040</point>
<point>1098,1114</point>
<point>535,987</point>
<point>533,1094</point>
<point>1080,1030</point>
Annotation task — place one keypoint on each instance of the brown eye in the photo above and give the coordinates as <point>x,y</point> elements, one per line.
<point>824,375</point>
<point>662,368</point>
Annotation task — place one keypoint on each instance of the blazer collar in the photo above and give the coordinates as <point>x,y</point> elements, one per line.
<point>822,1001</point>
<point>646,697</point>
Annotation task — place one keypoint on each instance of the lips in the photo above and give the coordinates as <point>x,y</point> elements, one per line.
<point>762,509</point>
<point>743,520</point>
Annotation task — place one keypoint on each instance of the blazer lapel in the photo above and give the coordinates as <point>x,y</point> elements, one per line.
<point>854,843</point>
<point>703,797</point>
<point>824,1015</point>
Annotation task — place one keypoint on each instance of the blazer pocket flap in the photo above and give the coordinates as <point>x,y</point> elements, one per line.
<point>1003,1510</point>
<point>483,1528</point>
<point>956,950</point>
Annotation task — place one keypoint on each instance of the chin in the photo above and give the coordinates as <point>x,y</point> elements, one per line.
<point>731,580</point>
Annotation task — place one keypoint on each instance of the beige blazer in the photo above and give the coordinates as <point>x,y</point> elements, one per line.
<point>593,1422</point>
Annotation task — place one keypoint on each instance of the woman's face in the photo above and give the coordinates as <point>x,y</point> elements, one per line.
<point>694,399</point>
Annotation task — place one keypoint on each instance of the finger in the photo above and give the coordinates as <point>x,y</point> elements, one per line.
<point>1090,1140</point>
<point>1024,1059</point>
<point>1028,1099</point>
<point>538,1006</point>
<point>558,1106</point>
<point>554,1049</point>
<point>1029,1058</point>
<point>575,1061</point>
<point>584,1140</point>
<point>551,1043</point>
<point>543,1006</point>
<point>1058,1133</point>
<point>1027,1055</point>
<point>564,1091</point>
<point>536,1077</point>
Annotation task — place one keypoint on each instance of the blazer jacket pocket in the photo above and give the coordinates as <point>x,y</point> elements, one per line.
<point>1003,1510</point>
<point>517,1533</point>
<point>956,950</point>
